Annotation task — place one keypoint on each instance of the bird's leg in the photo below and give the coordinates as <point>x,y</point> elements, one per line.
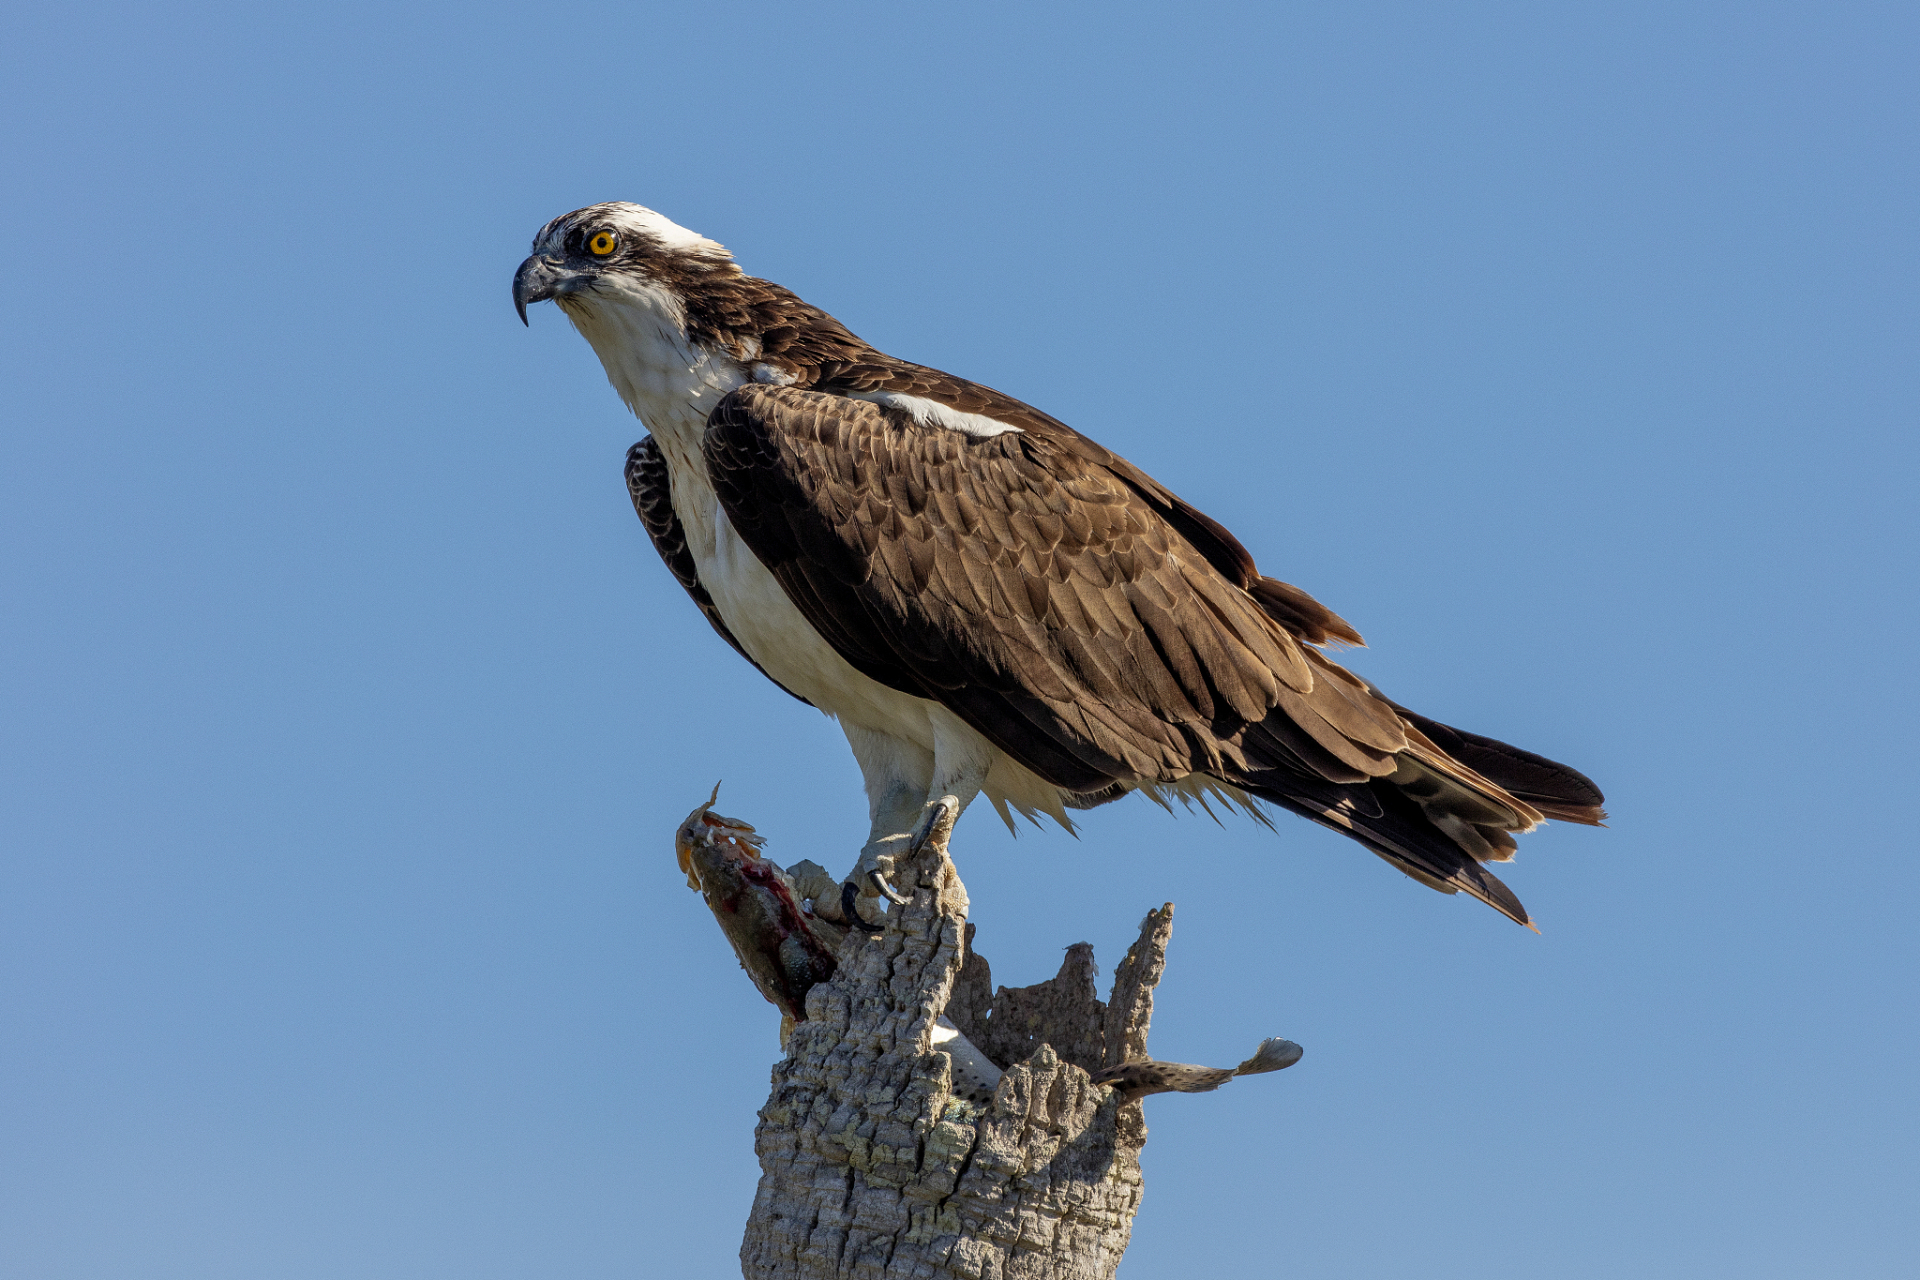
<point>936,816</point>
<point>895,809</point>
<point>961,761</point>
<point>908,791</point>
<point>896,773</point>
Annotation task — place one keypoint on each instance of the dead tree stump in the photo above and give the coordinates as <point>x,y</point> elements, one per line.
<point>872,1166</point>
<point>924,1124</point>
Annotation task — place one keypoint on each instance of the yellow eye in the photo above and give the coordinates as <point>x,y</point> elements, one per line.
<point>602,244</point>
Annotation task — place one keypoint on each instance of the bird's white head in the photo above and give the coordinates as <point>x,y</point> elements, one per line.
<point>605,251</point>
<point>634,284</point>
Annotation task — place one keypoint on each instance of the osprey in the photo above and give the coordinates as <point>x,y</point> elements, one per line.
<point>986,600</point>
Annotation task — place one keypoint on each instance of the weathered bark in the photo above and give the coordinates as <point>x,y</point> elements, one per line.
<point>875,1161</point>
<point>871,1166</point>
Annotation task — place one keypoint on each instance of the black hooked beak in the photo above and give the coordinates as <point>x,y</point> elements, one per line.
<point>540,278</point>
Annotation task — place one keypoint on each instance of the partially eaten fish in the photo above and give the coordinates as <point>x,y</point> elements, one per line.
<point>784,948</point>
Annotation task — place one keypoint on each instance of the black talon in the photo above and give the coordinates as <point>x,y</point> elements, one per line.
<point>849,892</point>
<point>887,891</point>
<point>929,819</point>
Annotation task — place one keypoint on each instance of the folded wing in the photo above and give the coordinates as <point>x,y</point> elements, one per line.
<point>1090,624</point>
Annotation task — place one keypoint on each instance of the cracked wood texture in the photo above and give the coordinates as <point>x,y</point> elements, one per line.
<point>871,1166</point>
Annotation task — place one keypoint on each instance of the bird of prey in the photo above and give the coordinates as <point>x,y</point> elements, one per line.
<point>987,601</point>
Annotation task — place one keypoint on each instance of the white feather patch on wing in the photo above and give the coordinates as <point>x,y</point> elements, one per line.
<point>931,413</point>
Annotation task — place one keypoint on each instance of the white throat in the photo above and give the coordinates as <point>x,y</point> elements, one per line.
<point>669,381</point>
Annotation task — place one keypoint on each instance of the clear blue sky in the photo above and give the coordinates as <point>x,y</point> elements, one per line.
<point>1568,350</point>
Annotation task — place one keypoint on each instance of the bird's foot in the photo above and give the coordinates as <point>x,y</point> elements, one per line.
<point>870,878</point>
<point>878,875</point>
<point>827,897</point>
<point>875,874</point>
<point>936,823</point>
<point>850,913</point>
